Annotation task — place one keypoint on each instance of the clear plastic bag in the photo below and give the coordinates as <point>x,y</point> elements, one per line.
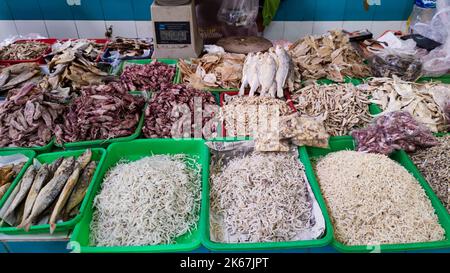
<point>389,62</point>
<point>238,13</point>
<point>14,38</point>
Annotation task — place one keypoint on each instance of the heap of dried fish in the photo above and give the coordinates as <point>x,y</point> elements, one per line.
<point>147,77</point>
<point>373,200</point>
<point>329,56</point>
<point>28,50</point>
<point>89,49</point>
<point>213,71</point>
<point>422,101</point>
<point>100,112</point>
<point>128,47</point>
<point>18,75</point>
<point>393,131</point>
<point>151,201</point>
<point>246,116</point>
<point>46,190</point>
<point>27,117</point>
<point>261,197</point>
<point>11,165</point>
<point>434,164</point>
<point>343,107</point>
<point>407,67</point>
<point>171,113</point>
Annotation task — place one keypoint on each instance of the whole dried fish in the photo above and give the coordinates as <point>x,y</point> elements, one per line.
<point>79,191</point>
<point>28,50</point>
<point>25,185</point>
<point>42,177</point>
<point>18,75</point>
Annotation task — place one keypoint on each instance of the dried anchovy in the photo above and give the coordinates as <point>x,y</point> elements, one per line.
<point>343,107</point>
<point>393,131</point>
<point>434,164</point>
<point>260,198</point>
<point>147,77</point>
<point>28,50</point>
<point>373,200</point>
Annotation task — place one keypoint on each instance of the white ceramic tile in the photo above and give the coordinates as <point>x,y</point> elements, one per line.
<point>321,27</point>
<point>91,29</point>
<point>8,29</point>
<point>123,28</point>
<point>61,29</point>
<point>275,31</point>
<point>379,27</point>
<point>144,29</point>
<point>295,30</point>
<point>25,27</point>
<point>357,25</point>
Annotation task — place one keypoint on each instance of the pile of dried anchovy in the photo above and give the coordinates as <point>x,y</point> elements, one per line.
<point>171,112</point>
<point>328,56</point>
<point>101,112</point>
<point>343,107</point>
<point>434,164</point>
<point>28,50</point>
<point>393,131</point>
<point>147,77</point>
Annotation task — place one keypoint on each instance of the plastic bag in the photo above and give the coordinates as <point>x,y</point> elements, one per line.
<point>393,131</point>
<point>438,28</point>
<point>389,62</point>
<point>238,13</point>
<point>12,39</point>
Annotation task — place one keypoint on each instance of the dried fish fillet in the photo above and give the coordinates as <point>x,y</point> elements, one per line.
<point>28,50</point>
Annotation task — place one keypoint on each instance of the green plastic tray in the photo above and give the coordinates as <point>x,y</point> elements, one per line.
<point>98,154</point>
<point>133,151</point>
<point>38,149</point>
<point>402,158</point>
<point>443,79</point>
<point>176,78</point>
<point>324,241</point>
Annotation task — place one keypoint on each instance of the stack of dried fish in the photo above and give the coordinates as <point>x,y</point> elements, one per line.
<point>422,101</point>
<point>393,131</point>
<point>48,193</point>
<point>18,75</point>
<point>213,71</point>
<point>343,107</point>
<point>329,56</point>
<point>147,77</point>
<point>434,164</point>
<point>11,165</point>
<point>171,113</point>
<point>128,47</point>
<point>28,50</point>
<point>100,112</point>
<point>27,117</point>
<point>88,48</point>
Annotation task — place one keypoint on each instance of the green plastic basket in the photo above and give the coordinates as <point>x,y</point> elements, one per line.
<point>176,78</point>
<point>37,149</point>
<point>133,151</point>
<point>443,79</point>
<point>323,241</point>
<point>98,154</point>
<point>402,158</point>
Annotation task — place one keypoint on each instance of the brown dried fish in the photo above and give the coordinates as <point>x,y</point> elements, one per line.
<point>18,75</point>
<point>28,50</point>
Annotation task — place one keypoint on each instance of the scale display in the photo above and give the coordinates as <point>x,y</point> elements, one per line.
<point>172,32</point>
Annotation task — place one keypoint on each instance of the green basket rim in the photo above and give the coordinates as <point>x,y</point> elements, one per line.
<point>39,149</point>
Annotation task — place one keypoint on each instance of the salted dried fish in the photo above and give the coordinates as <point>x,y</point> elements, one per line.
<point>128,47</point>
<point>41,178</point>
<point>27,50</point>
<point>18,75</point>
<point>147,77</point>
<point>25,185</point>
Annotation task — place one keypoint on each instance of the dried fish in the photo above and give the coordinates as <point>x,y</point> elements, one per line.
<point>19,75</point>
<point>42,177</point>
<point>28,50</point>
<point>25,185</point>
<point>128,47</point>
<point>3,189</point>
<point>147,77</point>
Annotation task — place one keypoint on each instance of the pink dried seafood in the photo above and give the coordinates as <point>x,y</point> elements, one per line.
<point>101,112</point>
<point>147,77</point>
<point>393,131</point>
<point>171,110</point>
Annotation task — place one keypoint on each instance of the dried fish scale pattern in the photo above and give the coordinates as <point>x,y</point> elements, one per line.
<point>101,112</point>
<point>374,200</point>
<point>328,56</point>
<point>343,107</point>
<point>151,201</point>
<point>251,205</point>
<point>434,164</point>
<point>23,51</point>
<point>147,77</point>
<point>213,71</point>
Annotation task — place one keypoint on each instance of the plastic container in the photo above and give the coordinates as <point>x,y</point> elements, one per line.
<point>133,151</point>
<point>98,154</point>
<point>323,241</point>
<point>176,78</point>
<point>39,60</point>
<point>402,158</point>
<point>38,149</point>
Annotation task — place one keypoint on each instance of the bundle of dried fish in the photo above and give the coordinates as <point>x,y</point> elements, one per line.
<point>246,116</point>
<point>171,113</point>
<point>147,77</point>
<point>261,197</point>
<point>100,112</point>
<point>393,131</point>
<point>89,49</point>
<point>49,192</point>
<point>343,107</point>
<point>27,117</point>
<point>422,101</point>
<point>328,56</point>
<point>373,200</point>
<point>18,75</point>
<point>128,47</point>
<point>28,50</point>
<point>213,71</point>
<point>434,164</point>
<point>151,201</point>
